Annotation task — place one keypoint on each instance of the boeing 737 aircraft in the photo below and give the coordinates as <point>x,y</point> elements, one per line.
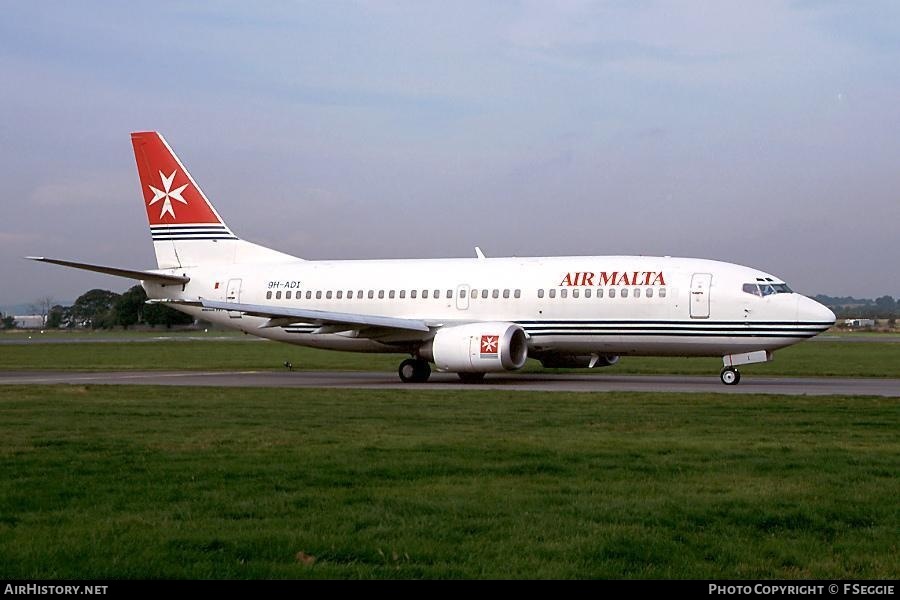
<point>466,316</point>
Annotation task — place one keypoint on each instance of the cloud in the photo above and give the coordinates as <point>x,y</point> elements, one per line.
<point>16,239</point>
<point>88,190</point>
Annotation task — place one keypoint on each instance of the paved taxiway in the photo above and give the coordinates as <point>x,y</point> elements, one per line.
<point>817,386</point>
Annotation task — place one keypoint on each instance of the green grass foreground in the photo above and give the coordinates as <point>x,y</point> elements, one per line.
<point>147,482</point>
<point>810,359</point>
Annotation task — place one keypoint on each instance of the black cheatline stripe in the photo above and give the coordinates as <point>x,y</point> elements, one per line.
<point>681,322</point>
<point>664,334</point>
<point>190,233</point>
<point>671,328</point>
<point>187,239</point>
<point>178,227</point>
<point>180,233</point>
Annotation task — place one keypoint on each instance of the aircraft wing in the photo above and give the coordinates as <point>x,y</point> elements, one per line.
<point>162,278</point>
<point>280,316</point>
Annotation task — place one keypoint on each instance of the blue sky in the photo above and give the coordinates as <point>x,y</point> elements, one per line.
<point>763,133</point>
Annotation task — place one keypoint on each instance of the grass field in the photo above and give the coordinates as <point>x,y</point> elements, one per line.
<point>844,359</point>
<point>142,482</point>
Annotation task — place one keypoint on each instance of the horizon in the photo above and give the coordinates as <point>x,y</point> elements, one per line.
<point>758,134</point>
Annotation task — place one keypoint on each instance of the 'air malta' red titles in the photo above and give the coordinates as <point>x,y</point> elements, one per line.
<point>603,278</point>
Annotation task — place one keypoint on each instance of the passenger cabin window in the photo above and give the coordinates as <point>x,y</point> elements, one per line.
<point>381,294</point>
<point>412,294</point>
<point>328,295</point>
<point>625,293</point>
<point>662,292</point>
<point>402,294</point>
<point>600,293</point>
<point>587,293</point>
<point>391,294</point>
<point>649,293</point>
<point>540,293</point>
<point>553,293</point>
<point>436,295</point>
<point>278,295</point>
<point>371,294</point>
<point>637,293</point>
<point>449,294</point>
<point>269,295</point>
<point>287,295</point>
<point>612,293</point>
<point>340,294</point>
<point>308,294</point>
<point>484,293</point>
<point>563,293</point>
<point>575,293</point>
<point>518,294</point>
<point>495,294</point>
<point>506,293</point>
<point>349,294</point>
<point>424,294</point>
<point>474,294</point>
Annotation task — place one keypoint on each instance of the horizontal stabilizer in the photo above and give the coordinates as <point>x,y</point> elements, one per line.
<point>128,273</point>
<point>287,316</point>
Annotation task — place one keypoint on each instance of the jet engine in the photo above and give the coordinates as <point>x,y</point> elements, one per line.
<point>478,348</point>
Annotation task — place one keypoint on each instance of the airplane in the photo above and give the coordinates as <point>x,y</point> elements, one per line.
<point>465,316</point>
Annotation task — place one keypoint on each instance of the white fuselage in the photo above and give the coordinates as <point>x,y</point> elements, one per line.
<point>608,305</point>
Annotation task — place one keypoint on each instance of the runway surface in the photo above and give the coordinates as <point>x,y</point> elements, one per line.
<point>441,381</point>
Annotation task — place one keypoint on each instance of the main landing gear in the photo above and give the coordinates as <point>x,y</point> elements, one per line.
<point>414,370</point>
<point>730,376</point>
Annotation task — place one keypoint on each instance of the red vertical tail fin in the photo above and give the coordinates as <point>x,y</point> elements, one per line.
<point>176,206</point>
<point>186,229</point>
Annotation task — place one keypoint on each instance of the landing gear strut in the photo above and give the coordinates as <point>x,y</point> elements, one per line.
<point>730,376</point>
<point>414,370</point>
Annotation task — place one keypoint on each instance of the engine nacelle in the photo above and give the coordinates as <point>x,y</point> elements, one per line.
<point>577,361</point>
<point>478,348</point>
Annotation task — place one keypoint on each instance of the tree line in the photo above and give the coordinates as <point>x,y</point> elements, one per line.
<point>848,307</point>
<point>103,309</point>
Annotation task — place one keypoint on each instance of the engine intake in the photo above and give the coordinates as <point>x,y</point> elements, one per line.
<point>478,348</point>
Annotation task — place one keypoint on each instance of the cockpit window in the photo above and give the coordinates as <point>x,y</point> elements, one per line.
<point>766,288</point>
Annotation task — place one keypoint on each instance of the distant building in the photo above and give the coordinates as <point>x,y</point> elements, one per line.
<point>29,321</point>
<point>859,323</point>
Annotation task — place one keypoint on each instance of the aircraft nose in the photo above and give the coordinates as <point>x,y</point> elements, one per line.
<point>810,310</point>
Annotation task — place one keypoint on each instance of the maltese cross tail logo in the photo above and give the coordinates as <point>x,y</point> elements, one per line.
<point>167,194</point>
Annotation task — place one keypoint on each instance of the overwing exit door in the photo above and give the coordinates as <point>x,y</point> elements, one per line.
<point>462,297</point>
